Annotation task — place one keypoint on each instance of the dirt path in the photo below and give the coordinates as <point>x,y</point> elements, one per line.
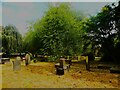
<point>42,75</point>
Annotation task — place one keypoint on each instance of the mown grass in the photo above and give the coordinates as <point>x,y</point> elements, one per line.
<point>43,75</point>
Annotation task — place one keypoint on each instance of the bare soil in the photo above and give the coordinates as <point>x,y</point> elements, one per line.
<point>43,75</point>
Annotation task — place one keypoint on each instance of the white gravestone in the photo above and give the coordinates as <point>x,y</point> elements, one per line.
<point>27,59</point>
<point>17,64</point>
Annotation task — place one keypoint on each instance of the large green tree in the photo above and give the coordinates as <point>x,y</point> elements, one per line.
<point>11,39</point>
<point>103,32</point>
<point>58,33</point>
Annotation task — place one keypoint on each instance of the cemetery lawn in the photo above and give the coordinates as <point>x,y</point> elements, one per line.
<point>42,75</point>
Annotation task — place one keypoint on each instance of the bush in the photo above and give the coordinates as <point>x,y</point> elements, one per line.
<point>52,58</point>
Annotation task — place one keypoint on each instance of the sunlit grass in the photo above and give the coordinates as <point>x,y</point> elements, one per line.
<point>43,75</point>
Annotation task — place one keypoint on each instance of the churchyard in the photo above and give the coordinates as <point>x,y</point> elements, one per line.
<point>64,47</point>
<point>43,75</point>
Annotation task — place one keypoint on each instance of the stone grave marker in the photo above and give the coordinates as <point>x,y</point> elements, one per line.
<point>62,62</point>
<point>27,59</point>
<point>17,64</point>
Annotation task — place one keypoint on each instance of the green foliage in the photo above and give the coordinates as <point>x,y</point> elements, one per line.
<point>62,31</point>
<point>58,33</point>
<point>11,39</point>
<point>103,32</point>
<point>52,58</point>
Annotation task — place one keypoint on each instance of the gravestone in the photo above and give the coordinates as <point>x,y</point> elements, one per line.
<point>60,68</point>
<point>59,71</point>
<point>27,59</point>
<point>17,64</point>
<point>62,62</point>
<point>62,65</point>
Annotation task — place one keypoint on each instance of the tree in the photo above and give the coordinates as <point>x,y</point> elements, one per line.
<point>11,39</point>
<point>58,33</point>
<point>102,31</point>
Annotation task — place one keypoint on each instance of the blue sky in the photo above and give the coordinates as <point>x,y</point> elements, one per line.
<point>21,14</point>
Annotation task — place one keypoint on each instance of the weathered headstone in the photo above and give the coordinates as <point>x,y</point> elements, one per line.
<point>62,62</point>
<point>17,64</point>
<point>27,59</point>
<point>59,71</point>
<point>60,68</point>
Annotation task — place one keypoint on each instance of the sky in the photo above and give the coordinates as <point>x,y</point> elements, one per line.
<point>20,14</point>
